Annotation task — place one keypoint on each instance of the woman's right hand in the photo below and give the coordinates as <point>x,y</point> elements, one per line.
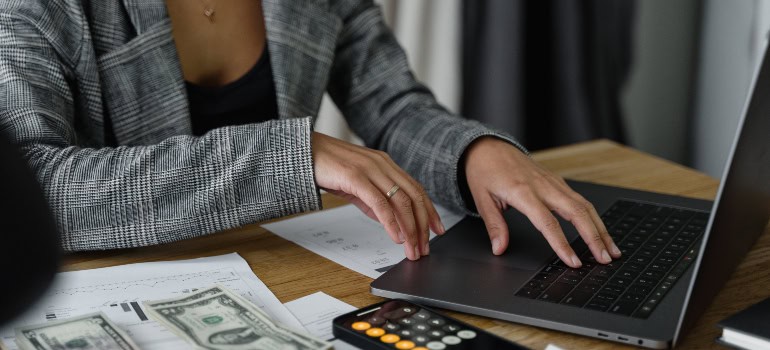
<point>363,176</point>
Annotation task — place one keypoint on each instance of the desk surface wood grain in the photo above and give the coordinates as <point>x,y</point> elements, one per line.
<point>292,272</point>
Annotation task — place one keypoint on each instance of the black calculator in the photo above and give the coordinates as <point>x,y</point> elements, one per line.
<point>399,324</point>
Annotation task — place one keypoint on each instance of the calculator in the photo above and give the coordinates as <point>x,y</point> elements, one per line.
<point>399,324</point>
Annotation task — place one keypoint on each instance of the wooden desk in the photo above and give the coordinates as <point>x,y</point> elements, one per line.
<point>292,272</point>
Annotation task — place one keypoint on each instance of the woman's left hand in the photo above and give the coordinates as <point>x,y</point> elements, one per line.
<point>500,175</point>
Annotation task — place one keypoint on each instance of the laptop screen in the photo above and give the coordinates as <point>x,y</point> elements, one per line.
<point>742,206</point>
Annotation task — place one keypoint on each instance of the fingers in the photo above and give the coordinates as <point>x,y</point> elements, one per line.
<point>414,187</point>
<point>578,214</point>
<point>531,205</point>
<point>372,200</point>
<point>596,221</point>
<point>496,226</point>
<point>410,213</point>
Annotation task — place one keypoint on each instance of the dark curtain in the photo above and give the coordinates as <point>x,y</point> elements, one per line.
<point>550,71</point>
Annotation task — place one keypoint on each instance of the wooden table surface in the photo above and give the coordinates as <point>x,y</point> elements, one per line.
<point>292,272</point>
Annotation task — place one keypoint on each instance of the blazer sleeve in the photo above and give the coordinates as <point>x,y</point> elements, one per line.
<point>374,88</point>
<point>182,187</point>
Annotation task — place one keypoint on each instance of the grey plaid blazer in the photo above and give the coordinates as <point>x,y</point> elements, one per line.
<point>67,65</point>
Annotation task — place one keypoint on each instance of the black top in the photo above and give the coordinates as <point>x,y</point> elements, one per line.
<point>250,99</point>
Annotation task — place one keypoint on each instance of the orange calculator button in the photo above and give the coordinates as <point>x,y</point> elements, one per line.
<point>361,326</point>
<point>405,345</point>
<point>390,338</point>
<point>375,332</point>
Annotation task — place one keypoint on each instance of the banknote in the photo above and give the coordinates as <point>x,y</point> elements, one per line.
<point>92,331</point>
<point>216,318</point>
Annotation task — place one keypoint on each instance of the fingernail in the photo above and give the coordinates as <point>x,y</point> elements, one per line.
<point>495,245</point>
<point>416,252</point>
<point>441,225</point>
<point>615,249</point>
<point>401,236</point>
<point>576,261</point>
<point>606,256</point>
<point>426,249</point>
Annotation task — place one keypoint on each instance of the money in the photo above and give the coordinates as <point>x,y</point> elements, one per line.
<point>217,318</point>
<point>92,331</point>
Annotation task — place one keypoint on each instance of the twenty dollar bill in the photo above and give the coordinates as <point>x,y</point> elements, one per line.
<point>92,331</point>
<point>217,318</point>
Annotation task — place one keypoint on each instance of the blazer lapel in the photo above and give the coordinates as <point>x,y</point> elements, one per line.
<point>301,37</point>
<point>142,80</point>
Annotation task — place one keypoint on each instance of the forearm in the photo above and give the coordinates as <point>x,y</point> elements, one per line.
<point>180,188</point>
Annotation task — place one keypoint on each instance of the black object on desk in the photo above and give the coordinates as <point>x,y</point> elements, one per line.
<point>748,329</point>
<point>29,245</point>
<point>399,324</point>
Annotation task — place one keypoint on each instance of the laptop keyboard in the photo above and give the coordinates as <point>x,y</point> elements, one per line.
<point>658,244</point>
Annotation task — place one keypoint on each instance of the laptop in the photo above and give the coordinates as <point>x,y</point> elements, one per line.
<point>677,254</point>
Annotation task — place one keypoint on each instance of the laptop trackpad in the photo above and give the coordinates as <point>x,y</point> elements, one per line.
<point>527,248</point>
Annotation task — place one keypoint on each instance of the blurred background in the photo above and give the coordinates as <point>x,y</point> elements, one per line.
<point>667,77</point>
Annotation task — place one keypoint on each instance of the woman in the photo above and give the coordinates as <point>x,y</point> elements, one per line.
<point>148,121</point>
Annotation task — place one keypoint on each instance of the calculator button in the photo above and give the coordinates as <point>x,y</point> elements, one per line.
<point>408,310</point>
<point>436,334</point>
<point>390,338</point>
<point>421,339</point>
<point>451,340</point>
<point>376,321</point>
<point>436,322</point>
<point>392,327</point>
<point>466,334</point>
<point>361,326</point>
<point>405,333</point>
<point>421,327</point>
<point>436,345</point>
<point>375,332</point>
<point>422,315</point>
<point>405,345</point>
<point>407,321</point>
<point>451,328</point>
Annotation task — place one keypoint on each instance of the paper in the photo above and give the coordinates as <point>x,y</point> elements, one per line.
<point>119,291</point>
<point>316,312</point>
<point>348,237</point>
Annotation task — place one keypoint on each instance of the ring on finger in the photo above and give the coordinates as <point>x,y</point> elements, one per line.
<point>392,191</point>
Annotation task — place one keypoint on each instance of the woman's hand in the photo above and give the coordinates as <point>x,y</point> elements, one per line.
<point>364,176</point>
<point>500,175</point>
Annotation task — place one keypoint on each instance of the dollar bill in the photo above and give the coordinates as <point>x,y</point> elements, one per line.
<point>217,318</point>
<point>92,331</point>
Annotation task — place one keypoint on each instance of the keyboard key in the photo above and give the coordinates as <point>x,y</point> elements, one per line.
<point>598,304</point>
<point>551,269</point>
<point>639,289</point>
<point>652,274</point>
<point>545,277</point>
<point>659,267</point>
<point>589,287</point>
<point>613,289</point>
<point>556,292</point>
<point>643,312</point>
<point>609,297</point>
<point>636,298</point>
<point>639,259</point>
<point>647,253</point>
<point>620,281</point>
<point>626,273</point>
<point>577,298</point>
<point>634,267</point>
<point>569,280</point>
<point>624,307</point>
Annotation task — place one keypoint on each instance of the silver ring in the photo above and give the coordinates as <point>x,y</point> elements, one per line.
<point>392,191</point>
